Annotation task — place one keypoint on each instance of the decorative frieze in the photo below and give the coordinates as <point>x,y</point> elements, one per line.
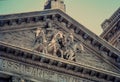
<point>52,41</point>
<point>82,34</point>
<point>36,73</point>
<point>62,65</point>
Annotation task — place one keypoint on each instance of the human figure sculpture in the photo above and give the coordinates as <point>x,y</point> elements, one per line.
<point>40,43</point>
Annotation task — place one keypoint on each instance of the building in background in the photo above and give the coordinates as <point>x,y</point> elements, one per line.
<point>111,29</point>
<point>50,46</point>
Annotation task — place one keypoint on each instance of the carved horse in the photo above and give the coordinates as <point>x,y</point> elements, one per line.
<point>54,46</point>
<point>73,50</point>
<point>40,43</point>
<point>78,48</point>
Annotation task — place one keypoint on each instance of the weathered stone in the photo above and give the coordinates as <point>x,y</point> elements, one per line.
<point>40,37</point>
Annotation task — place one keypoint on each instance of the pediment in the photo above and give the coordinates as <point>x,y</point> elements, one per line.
<point>32,30</point>
<point>56,41</point>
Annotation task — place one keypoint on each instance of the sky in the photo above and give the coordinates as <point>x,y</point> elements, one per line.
<point>90,13</point>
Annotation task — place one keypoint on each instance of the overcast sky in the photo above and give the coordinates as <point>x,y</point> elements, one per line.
<point>90,13</point>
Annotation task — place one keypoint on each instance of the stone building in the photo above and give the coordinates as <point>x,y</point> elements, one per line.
<point>111,29</point>
<point>50,46</point>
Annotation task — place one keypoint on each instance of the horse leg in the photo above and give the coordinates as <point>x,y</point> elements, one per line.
<point>54,50</point>
<point>61,53</point>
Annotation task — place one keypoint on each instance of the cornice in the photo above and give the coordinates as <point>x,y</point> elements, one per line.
<point>98,52</point>
<point>110,53</point>
<point>28,14</point>
<point>94,41</point>
<point>56,64</point>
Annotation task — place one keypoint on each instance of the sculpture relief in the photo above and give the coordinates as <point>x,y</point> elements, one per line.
<point>37,73</point>
<point>54,43</point>
<point>40,41</point>
<point>57,43</point>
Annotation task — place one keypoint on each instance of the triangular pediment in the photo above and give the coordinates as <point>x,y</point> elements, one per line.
<point>58,34</point>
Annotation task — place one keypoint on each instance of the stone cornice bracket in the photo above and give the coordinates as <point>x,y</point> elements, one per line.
<point>23,55</point>
<point>91,37</point>
<point>80,30</point>
<point>64,18</point>
<point>25,22</point>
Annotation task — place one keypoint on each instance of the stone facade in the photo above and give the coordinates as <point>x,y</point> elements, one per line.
<point>111,29</point>
<point>50,46</point>
<point>55,4</point>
